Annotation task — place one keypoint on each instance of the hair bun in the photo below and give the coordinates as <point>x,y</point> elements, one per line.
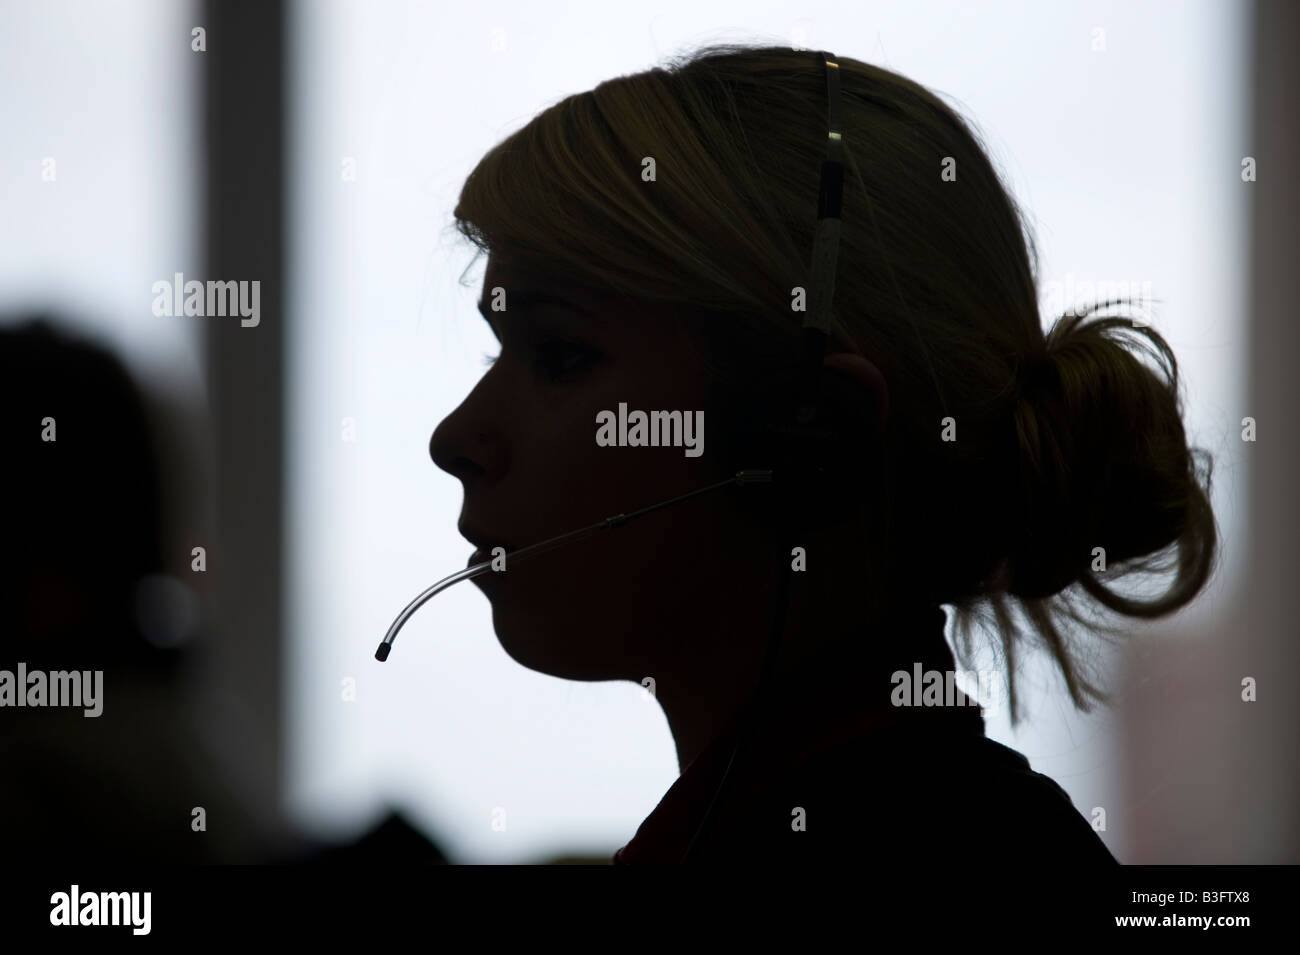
<point>1104,461</point>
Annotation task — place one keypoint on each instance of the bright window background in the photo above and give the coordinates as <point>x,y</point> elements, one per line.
<point>1127,161</point>
<point>108,91</point>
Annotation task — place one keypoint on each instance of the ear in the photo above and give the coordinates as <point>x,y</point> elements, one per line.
<point>866,376</point>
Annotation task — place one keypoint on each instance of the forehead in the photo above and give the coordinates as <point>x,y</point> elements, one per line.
<point>516,275</point>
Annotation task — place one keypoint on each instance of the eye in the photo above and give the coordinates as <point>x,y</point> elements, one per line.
<point>558,359</point>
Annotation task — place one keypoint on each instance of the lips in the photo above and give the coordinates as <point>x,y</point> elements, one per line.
<point>483,540</point>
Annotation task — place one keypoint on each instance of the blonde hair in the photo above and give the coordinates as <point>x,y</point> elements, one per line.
<point>1081,448</point>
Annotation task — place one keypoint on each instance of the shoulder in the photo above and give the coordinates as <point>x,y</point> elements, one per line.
<point>906,796</point>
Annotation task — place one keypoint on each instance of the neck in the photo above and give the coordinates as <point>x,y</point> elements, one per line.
<point>830,665</point>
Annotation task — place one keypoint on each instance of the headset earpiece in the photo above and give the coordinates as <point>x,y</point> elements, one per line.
<point>816,461</point>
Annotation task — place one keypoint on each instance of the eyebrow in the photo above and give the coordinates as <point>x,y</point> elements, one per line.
<point>528,298</point>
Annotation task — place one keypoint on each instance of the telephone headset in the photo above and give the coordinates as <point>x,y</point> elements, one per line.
<point>806,448</point>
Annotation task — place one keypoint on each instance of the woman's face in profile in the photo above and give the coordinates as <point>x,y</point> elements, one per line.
<point>629,602</point>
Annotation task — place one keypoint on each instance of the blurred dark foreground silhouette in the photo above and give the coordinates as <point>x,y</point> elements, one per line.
<point>97,602</point>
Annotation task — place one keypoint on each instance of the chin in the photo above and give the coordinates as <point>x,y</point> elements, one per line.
<point>566,652</point>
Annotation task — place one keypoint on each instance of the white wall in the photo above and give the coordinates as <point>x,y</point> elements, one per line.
<point>107,90</point>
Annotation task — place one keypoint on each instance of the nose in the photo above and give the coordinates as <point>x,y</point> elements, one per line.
<point>471,451</point>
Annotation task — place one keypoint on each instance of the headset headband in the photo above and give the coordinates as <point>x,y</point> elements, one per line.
<point>826,246</point>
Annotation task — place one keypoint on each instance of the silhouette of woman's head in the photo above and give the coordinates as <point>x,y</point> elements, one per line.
<point>671,214</point>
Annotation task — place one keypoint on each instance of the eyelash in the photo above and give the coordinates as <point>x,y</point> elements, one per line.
<point>549,350</point>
